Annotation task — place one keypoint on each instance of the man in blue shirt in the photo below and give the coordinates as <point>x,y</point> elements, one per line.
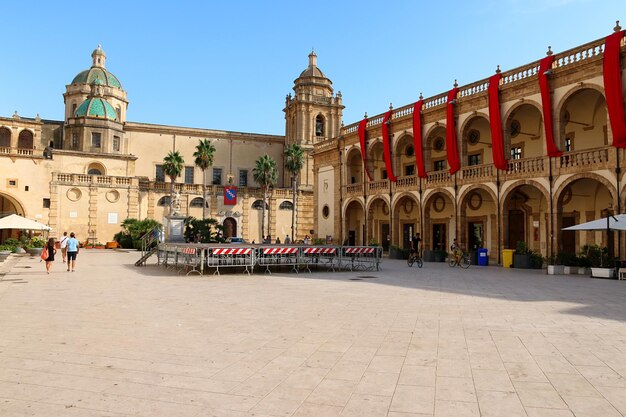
<point>72,251</point>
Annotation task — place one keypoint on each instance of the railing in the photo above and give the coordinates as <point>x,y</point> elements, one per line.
<point>584,158</point>
<point>438,178</point>
<point>474,173</point>
<point>378,185</point>
<point>526,167</point>
<point>37,153</point>
<point>520,73</point>
<point>474,88</point>
<point>580,53</point>
<point>91,179</point>
<point>407,182</point>
<point>354,189</point>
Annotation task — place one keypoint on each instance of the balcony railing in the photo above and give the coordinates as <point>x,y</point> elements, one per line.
<point>407,183</point>
<point>528,167</point>
<point>82,179</point>
<point>477,173</point>
<point>31,153</point>
<point>375,187</point>
<point>354,190</point>
<point>587,158</point>
<point>438,178</point>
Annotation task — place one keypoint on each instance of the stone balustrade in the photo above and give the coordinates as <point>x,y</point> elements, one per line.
<point>354,190</point>
<point>438,179</point>
<point>99,180</point>
<point>587,158</point>
<point>477,173</point>
<point>376,187</point>
<point>22,152</point>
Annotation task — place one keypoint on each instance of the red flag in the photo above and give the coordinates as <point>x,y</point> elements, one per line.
<point>230,195</point>
<point>451,147</point>
<point>417,139</point>
<point>362,132</point>
<point>612,71</point>
<point>495,122</point>
<point>387,146</point>
<point>546,103</point>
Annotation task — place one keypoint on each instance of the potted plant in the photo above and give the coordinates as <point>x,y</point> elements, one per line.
<point>5,251</point>
<point>570,263</point>
<point>584,265</point>
<point>34,246</point>
<point>521,258</point>
<point>554,265</point>
<point>440,255</point>
<point>428,255</point>
<point>601,265</point>
<point>536,260</point>
<point>98,245</point>
<point>396,252</point>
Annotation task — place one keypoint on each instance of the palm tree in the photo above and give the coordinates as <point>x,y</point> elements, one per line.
<point>294,161</point>
<point>205,151</point>
<point>265,174</point>
<point>172,167</point>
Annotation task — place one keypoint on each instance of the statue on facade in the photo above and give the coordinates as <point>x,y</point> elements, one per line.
<point>176,204</point>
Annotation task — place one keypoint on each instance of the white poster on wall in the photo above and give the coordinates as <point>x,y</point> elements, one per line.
<point>112,218</point>
<point>73,214</point>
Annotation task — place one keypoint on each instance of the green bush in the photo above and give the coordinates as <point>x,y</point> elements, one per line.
<point>206,231</point>
<point>536,260</point>
<point>319,241</point>
<point>37,242</point>
<point>133,230</point>
<point>521,248</point>
<point>7,247</point>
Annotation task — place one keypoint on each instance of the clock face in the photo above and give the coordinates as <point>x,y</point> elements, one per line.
<point>515,128</point>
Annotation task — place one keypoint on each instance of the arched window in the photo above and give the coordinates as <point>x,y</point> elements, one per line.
<point>164,201</point>
<point>286,205</point>
<point>197,202</point>
<point>25,140</point>
<point>5,137</point>
<point>258,205</point>
<point>319,125</point>
<point>96,169</point>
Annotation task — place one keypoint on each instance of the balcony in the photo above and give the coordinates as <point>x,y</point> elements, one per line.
<point>21,152</point>
<point>477,173</point>
<point>99,180</point>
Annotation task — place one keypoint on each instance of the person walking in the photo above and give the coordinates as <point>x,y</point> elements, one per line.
<point>64,246</point>
<point>72,251</point>
<point>51,252</point>
<point>287,240</point>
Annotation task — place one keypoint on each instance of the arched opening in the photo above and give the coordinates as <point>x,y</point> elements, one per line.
<point>258,205</point>
<point>197,203</point>
<point>25,140</point>
<point>478,221</point>
<point>439,228</point>
<point>406,220</point>
<point>379,230</point>
<point>476,142</point>
<point>583,121</point>
<point>230,227</point>
<point>524,133</point>
<point>8,206</point>
<point>435,150</point>
<point>376,162</point>
<point>354,167</point>
<point>320,128</point>
<point>286,205</point>
<point>96,169</point>
<point>5,137</point>
<point>354,219</point>
<point>164,201</point>
<point>404,157</point>
<point>526,218</point>
<point>255,217</point>
<point>581,201</point>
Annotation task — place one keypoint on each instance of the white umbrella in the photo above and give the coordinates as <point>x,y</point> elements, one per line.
<point>22,223</point>
<point>617,222</point>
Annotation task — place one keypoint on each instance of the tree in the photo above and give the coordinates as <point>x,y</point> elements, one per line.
<point>172,167</point>
<point>204,154</point>
<point>265,174</point>
<point>294,161</point>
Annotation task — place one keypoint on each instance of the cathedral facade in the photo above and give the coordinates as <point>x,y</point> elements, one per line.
<point>90,171</point>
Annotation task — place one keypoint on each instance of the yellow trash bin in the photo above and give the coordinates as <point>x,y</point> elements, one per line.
<point>507,257</point>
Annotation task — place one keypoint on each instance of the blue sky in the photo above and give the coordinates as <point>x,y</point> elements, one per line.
<point>228,65</point>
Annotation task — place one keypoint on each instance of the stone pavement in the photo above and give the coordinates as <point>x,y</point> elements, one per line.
<point>115,340</point>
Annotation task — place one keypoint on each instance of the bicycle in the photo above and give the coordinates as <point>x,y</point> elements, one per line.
<point>462,260</point>
<point>414,258</point>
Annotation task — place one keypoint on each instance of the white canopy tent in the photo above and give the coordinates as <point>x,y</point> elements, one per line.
<point>14,221</point>
<point>615,223</point>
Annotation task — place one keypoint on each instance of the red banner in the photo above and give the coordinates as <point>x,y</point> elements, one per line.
<point>417,139</point>
<point>230,195</point>
<point>546,103</point>
<point>495,122</point>
<point>613,88</point>
<point>362,132</point>
<point>387,146</point>
<point>451,147</point>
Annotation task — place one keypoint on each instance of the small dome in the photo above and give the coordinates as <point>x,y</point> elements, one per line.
<point>96,73</point>
<point>96,107</point>
<point>312,70</point>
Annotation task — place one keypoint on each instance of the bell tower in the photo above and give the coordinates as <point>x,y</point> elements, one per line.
<point>313,114</point>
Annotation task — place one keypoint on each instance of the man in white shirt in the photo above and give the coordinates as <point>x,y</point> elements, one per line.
<point>64,246</point>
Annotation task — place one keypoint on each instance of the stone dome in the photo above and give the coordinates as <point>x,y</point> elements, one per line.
<point>96,107</point>
<point>96,73</point>
<point>312,70</point>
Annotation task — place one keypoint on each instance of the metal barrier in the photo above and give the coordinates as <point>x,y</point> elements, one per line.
<point>361,257</point>
<point>230,257</point>
<point>278,255</point>
<point>326,256</point>
<point>194,258</point>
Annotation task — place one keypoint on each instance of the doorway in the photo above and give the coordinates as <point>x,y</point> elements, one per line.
<point>230,227</point>
<point>384,236</point>
<point>517,228</point>
<point>568,237</point>
<point>407,233</point>
<point>475,233</point>
<point>439,237</point>
<point>352,237</point>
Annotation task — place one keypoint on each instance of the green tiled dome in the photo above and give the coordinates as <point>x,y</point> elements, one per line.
<point>96,73</point>
<point>96,107</point>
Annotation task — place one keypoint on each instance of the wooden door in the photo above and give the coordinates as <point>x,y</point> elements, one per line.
<point>517,228</point>
<point>568,237</point>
